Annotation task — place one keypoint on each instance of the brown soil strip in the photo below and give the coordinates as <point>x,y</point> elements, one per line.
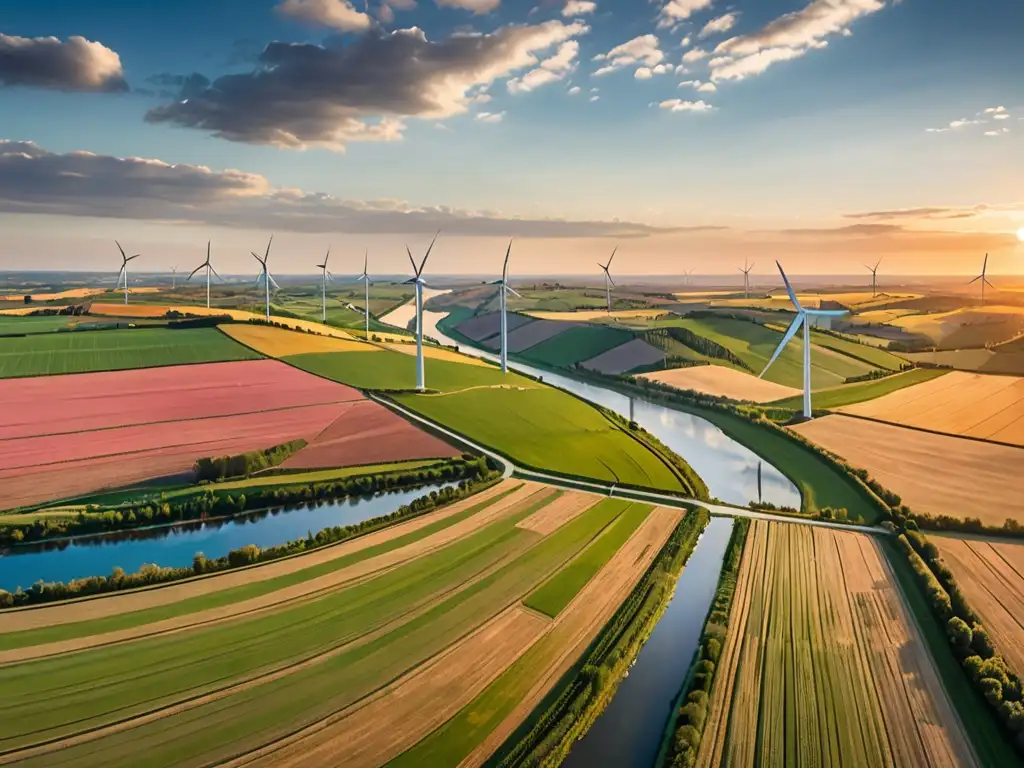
<point>397,717</point>
<point>584,617</point>
<point>552,517</point>
<point>137,600</point>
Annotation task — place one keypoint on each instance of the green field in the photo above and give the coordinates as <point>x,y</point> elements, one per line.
<point>848,394</point>
<point>754,345</point>
<point>879,358</point>
<point>87,351</point>
<point>13,324</point>
<point>548,430</point>
<point>387,369</point>
<point>575,345</point>
<point>552,596</point>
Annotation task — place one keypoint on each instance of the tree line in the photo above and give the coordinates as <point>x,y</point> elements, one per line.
<point>245,464</point>
<point>696,342</point>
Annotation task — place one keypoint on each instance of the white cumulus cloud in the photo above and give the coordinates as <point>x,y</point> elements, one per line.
<point>338,14</point>
<point>675,11</point>
<point>490,117</point>
<point>678,105</point>
<point>578,8</point>
<point>476,6</point>
<point>642,50</point>
<point>720,25</point>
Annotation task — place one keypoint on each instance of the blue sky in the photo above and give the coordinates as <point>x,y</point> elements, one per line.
<point>758,164</point>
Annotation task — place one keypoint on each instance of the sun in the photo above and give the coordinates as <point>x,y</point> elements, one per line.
<point>1020,234</point>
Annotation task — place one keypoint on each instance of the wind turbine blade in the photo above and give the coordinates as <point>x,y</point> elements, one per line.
<point>789,288</point>
<point>366,259</point>
<point>133,257</point>
<point>208,251</point>
<point>119,248</point>
<point>329,275</point>
<point>195,270</point>
<point>790,333</point>
<point>876,265</point>
<point>969,282</point>
<point>412,261</point>
<point>988,283</point>
<point>427,254</point>
<point>504,269</point>
<point>327,257</point>
<point>610,280</point>
<point>984,265</point>
<point>514,292</point>
<point>273,282</point>
<point>614,251</point>
<point>826,312</point>
<point>410,281</point>
<point>271,240</point>
<point>216,272</point>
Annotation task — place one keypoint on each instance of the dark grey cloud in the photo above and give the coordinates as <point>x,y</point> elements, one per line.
<point>76,64</point>
<point>34,180</point>
<point>171,86</point>
<point>935,213</point>
<point>303,94</point>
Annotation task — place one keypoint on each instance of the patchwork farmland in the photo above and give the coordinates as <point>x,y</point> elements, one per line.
<point>822,664</point>
<point>372,650</point>
<point>723,382</point>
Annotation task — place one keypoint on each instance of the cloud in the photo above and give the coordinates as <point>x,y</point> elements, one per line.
<point>36,181</point>
<point>305,95</point>
<point>643,73</point>
<point>595,98</point>
<point>998,132</point>
<point>695,54</point>
<point>46,62</point>
<point>933,213</point>
<point>476,6</point>
<point>852,230</point>
<point>993,111</point>
<point>1001,116</point>
<point>550,70</point>
<point>788,37</point>
<point>385,14</point>
<point>574,90</point>
<point>578,8</point>
<point>678,105</point>
<point>675,11</point>
<point>490,117</point>
<point>707,88</point>
<point>643,49</point>
<point>720,25</point>
<point>337,14</point>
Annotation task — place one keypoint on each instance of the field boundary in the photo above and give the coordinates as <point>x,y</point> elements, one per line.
<point>976,439</point>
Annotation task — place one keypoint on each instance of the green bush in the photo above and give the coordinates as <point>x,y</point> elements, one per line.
<point>245,464</point>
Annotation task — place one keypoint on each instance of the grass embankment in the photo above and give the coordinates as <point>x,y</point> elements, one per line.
<point>375,631</point>
<point>575,345</point>
<point>848,394</point>
<point>90,351</point>
<point>552,596</point>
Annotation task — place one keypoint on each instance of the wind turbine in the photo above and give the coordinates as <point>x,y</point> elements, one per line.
<point>418,281</point>
<point>326,276</point>
<point>174,277</point>
<point>268,279</point>
<point>209,269</point>
<point>503,291</point>
<point>984,281</point>
<point>608,282</point>
<point>365,278</point>
<point>874,277</point>
<point>746,278</point>
<point>802,317</point>
<point>124,270</point>
<point>687,272</point>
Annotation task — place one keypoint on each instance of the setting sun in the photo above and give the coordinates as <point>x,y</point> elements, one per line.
<point>1020,234</point>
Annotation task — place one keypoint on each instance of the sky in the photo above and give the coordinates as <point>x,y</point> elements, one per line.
<point>689,134</point>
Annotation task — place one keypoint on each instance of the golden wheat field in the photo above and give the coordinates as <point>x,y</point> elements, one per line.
<point>822,665</point>
<point>278,342</point>
<point>724,382</point>
<point>991,575</point>
<point>588,315</point>
<point>972,404</point>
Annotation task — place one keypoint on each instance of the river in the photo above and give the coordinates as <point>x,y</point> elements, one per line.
<point>175,546</point>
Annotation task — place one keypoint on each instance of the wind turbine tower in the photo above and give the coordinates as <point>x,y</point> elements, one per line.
<point>174,277</point>
<point>746,278</point>
<point>803,316</point>
<point>209,269</point>
<point>984,281</point>
<point>365,278</point>
<point>268,279</point>
<point>688,273</point>
<point>323,282</point>
<point>874,277</point>
<point>419,282</point>
<point>503,291</point>
<point>608,282</point>
<point>124,270</point>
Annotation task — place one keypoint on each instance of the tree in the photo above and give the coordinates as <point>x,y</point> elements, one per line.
<point>959,633</point>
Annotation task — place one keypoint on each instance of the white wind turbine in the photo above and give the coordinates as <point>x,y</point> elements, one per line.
<point>268,279</point>
<point>608,282</point>
<point>802,317</point>
<point>365,278</point>
<point>746,278</point>
<point>874,277</point>
<point>984,280</point>
<point>174,277</point>
<point>419,282</point>
<point>503,292</point>
<point>209,270</point>
<point>688,273</point>
<point>323,282</point>
<point>124,270</point>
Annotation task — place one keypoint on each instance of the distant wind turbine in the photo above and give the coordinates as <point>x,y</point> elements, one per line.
<point>124,270</point>
<point>365,278</point>
<point>608,282</point>
<point>174,277</point>
<point>268,279</point>
<point>419,282</point>
<point>984,281</point>
<point>209,269</point>
<point>802,315</point>
<point>746,278</point>
<point>323,282</point>
<point>874,277</point>
<point>687,272</point>
<point>503,292</point>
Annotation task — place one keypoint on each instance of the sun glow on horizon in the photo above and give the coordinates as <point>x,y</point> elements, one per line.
<point>1020,234</point>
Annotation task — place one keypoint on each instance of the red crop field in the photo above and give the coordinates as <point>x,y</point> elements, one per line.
<point>368,433</point>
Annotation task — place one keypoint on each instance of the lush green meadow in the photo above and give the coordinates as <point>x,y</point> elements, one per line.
<point>848,394</point>
<point>576,345</point>
<point>875,356</point>
<point>548,430</point>
<point>13,324</point>
<point>87,351</point>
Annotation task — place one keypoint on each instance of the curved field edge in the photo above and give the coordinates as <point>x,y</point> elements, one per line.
<point>850,394</point>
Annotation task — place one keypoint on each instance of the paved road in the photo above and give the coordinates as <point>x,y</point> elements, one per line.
<point>610,490</point>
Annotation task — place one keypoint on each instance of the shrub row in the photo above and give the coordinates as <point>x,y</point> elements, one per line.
<point>985,668</point>
<point>692,707</point>
<point>150,574</point>
<point>587,690</point>
<point>245,464</point>
<point>696,342</point>
<point>212,503</point>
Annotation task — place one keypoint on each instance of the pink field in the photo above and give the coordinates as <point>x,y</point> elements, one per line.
<point>368,433</point>
<point>66,404</point>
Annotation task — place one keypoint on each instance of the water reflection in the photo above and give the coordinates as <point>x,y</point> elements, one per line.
<point>175,546</point>
<point>728,468</point>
